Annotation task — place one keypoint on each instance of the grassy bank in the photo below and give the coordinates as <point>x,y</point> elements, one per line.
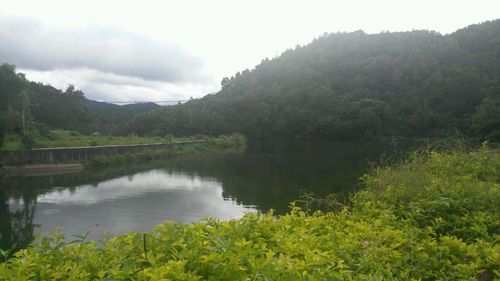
<point>63,138</point>
<point>234,142</point>
<point>434,217</point>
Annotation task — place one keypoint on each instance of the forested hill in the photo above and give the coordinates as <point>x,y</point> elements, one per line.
<point>355,86</point>
<point>117,114</point>
<point>46,107</point>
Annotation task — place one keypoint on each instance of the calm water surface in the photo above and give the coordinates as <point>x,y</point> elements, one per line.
<point>184,189</point>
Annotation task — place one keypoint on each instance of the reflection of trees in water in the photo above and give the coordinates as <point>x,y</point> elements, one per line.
<point>16,224</point>
<point>268,177</point>
<point>272,174</point>
<point>18,199</point>
<point>271,182</point>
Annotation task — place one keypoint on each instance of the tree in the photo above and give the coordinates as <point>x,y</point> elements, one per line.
<point>485,120</point>
<point>225,82</point>
<point>11,84</point>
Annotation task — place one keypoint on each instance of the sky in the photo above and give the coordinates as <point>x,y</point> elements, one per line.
<point>125,51</point>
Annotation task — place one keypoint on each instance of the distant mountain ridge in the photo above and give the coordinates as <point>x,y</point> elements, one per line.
<point>71,110</point>
<point>355,86</point>
<point>42,107</point>
<point>118,114</point>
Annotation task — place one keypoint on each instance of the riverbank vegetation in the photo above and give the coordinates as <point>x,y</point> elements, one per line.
<point>433,217</point>
<point>232,143</point>
<point>64,138</point>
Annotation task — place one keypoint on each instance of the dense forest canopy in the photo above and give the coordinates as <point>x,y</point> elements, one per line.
<point>355,86</point>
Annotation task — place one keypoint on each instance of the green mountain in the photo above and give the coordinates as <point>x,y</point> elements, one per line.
<point>355,86</point>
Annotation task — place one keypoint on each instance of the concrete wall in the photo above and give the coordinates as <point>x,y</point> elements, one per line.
<point>68,155</point>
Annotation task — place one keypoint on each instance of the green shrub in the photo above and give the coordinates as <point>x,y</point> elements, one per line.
<point>455,193</point>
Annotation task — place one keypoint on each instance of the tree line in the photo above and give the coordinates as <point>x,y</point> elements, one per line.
<point>355,86</point>
<point>29,109</point>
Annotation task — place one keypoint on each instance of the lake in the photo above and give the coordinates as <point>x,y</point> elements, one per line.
<point>268,175</point>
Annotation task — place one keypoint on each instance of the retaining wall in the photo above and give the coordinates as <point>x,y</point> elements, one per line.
<point>69,155</point>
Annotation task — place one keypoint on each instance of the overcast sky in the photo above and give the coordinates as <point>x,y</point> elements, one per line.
<point>174,50</point>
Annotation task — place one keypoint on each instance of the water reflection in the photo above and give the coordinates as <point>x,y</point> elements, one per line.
<point>16,220</point>
<point>135,203</point>
<point>137,197</point>
<point>133,186</point>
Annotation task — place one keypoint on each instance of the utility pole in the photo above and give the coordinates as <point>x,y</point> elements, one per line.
<point>24,111</point>
<point>23,120</point>
<point>23,117</point>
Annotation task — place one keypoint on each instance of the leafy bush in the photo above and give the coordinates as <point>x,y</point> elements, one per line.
<point>455,193</point>
<point>434,217</point>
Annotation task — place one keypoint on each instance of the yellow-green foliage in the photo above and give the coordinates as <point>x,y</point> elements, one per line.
<point>455,193</point>
<point>435,217</point>
<point>12,142</point>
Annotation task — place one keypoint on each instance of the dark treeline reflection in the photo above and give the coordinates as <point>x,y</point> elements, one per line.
<point>269,175</point>
<point>17,210</point>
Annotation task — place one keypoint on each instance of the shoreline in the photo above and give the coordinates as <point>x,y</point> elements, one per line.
<point>40,169</point>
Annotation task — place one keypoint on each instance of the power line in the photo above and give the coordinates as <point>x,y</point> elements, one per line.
<point>130,102</point>
<point>153,101</point>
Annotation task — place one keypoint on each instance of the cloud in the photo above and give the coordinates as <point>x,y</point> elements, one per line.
<point>31,45</point>
<point>112,87</point>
